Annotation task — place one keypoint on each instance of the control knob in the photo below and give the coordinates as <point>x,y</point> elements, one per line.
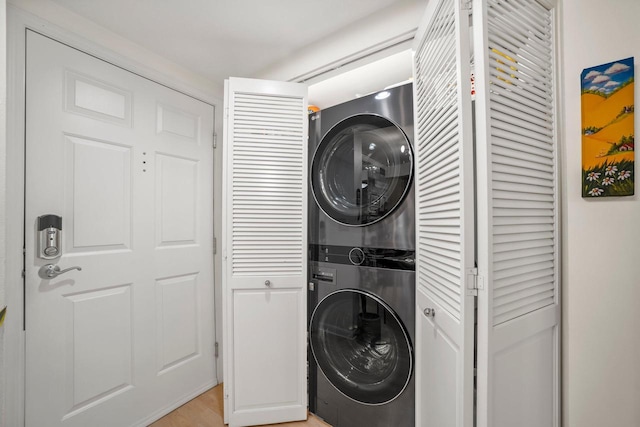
<point>356,256</point>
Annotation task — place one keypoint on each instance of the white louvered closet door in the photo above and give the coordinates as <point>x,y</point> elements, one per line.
<point>518,239</point>
<point>264,252</point>
<point>444,218</point>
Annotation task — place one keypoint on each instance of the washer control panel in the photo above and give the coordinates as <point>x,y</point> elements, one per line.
<point>397,259</point>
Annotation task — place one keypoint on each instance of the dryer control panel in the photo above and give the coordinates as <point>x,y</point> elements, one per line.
<point>397,259</point>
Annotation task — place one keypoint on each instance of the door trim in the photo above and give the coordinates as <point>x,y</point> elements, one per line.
<point>18,22</point>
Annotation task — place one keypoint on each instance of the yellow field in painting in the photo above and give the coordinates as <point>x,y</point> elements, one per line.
<point>589,102</point>
<point>601,112</point>
<point>593,151</point>
<point>613,132</point>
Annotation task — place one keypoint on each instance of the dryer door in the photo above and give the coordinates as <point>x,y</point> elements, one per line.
<point>361,346</point>
<point>361,170</point>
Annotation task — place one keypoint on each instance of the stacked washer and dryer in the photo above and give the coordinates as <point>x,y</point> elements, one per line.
<point>362,262</point>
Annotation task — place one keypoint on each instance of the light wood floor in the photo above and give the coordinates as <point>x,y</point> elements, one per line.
<point>206,411</point>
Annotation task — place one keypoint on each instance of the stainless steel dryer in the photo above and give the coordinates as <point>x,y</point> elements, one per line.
<point>361,172</point>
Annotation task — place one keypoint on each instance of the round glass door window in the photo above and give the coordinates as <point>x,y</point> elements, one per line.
<point>361,170</point>
<point>361,346</point>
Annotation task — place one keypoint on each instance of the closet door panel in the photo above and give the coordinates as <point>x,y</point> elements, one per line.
<point>264,252</point>
<point>444,218</point>
<point>518,236</point>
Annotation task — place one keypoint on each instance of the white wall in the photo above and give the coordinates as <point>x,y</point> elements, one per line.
<point>601,348</point>
<point>382,29</point>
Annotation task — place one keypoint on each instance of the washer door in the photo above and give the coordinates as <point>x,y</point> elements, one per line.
<point>361,170</point>
<point>361,346</point>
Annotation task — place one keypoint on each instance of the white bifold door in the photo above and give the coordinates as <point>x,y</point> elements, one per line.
<point>504,245</point>
<point>265,252</point>
<point>518,214</point>
<point>444,218</point>
<point>128,166</point>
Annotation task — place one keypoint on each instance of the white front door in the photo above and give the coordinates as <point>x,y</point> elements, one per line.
<point>127,164</point>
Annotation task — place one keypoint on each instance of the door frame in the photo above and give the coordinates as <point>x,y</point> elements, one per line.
<point>18,22</point>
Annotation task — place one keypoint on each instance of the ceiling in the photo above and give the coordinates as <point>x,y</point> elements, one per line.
<point>222,38</point>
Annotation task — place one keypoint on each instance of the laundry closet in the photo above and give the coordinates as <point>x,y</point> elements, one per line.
<point>392,260</point>
<point>485,348</point>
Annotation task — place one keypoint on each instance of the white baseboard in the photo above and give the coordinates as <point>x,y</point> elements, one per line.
<point>175,405</point>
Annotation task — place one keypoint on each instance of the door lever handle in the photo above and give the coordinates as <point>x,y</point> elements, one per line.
<point>50,271</point>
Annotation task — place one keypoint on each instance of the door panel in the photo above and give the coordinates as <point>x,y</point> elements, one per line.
<point>444,218</point>
<point>174,122</point>
<point>518,233</point>
<point>439,358</point>
<point>107,167</point>
<point>273,344</point>
<point>130,336</point>
<point>100,369</point>
<point>177,338</point>
<point>97,100</point>
<point>265,252</point>
<point>176,206</point>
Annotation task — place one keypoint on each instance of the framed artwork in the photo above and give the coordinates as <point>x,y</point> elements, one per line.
<point>608,150</point>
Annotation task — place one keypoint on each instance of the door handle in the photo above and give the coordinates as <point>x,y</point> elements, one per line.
<point>50,271</point>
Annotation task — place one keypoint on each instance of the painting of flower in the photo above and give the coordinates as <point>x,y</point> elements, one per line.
<point>608,143</point>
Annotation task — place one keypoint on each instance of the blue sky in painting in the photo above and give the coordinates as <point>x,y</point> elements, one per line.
<point>606,78</point>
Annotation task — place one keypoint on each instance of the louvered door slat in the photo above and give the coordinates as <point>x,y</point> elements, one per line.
<point>534,295</point>
<point>525,119</point>
<point>522,253</point>
<point>521,14</point>
<point>513,187</point>
<point>528,287</point>
<point>512,152</point>
<point>514,119</point>
<point>508,283</point>
<point>517,212</point>
<point>438,158</point>
<point>507,21</point>
<point>504,138</point>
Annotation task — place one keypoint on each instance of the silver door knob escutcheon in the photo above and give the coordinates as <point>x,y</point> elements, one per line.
<point>51,271</point>
<point>429,312</point>
<point>267,283</point>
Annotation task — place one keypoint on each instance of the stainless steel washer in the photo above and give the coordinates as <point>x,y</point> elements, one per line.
<point>361,332</point>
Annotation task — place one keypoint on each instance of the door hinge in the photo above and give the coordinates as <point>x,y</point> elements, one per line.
<point>215,350</point>
<point>215,140</point>
<point>312,286</point>
<point>465,5</point>
<point>215,245</point>
<point>474,282</point>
